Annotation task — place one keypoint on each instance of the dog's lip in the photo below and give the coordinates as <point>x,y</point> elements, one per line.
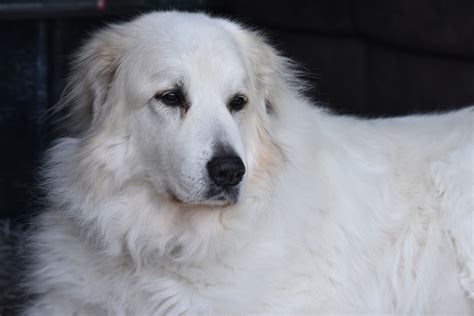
<point>182,203</point>
<point>174,198</point>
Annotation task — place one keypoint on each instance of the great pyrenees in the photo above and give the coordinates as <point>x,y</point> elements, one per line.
<point>196,178</point>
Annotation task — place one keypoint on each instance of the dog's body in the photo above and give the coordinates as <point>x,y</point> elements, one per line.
<point>333,215</point>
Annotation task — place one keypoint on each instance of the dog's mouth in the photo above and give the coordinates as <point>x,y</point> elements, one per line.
<point>175,199</point>
<point>223,196</point>
<point>214,198</point>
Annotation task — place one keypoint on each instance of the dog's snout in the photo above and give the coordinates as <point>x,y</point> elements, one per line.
<point>226,171</point>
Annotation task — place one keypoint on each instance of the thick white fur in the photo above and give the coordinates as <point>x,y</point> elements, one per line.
<point>336,215</point>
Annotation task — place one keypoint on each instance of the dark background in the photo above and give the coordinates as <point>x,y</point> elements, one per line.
<point>366,57</point>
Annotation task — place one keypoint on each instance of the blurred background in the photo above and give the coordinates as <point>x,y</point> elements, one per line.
<point>370,58</point>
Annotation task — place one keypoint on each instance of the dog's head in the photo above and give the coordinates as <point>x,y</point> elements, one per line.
<point>192,95</point>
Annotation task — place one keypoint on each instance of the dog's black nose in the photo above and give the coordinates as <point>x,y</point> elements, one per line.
<point>226,171</point>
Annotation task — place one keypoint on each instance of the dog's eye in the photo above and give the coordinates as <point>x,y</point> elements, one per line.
<point>171,98</point>
<point>237,103</point>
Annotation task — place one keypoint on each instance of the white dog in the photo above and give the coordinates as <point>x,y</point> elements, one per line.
<point>196,179</point>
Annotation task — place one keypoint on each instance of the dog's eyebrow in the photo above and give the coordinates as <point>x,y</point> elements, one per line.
<point>178,86</point>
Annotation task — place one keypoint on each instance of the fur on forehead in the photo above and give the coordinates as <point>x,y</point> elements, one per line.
<point>87,98</point>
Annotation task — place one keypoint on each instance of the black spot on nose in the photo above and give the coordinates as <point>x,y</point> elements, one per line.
<point>226,172</point>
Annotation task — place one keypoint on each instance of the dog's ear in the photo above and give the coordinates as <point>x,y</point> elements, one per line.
<point>273,74</point>
<point>93,70</point>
